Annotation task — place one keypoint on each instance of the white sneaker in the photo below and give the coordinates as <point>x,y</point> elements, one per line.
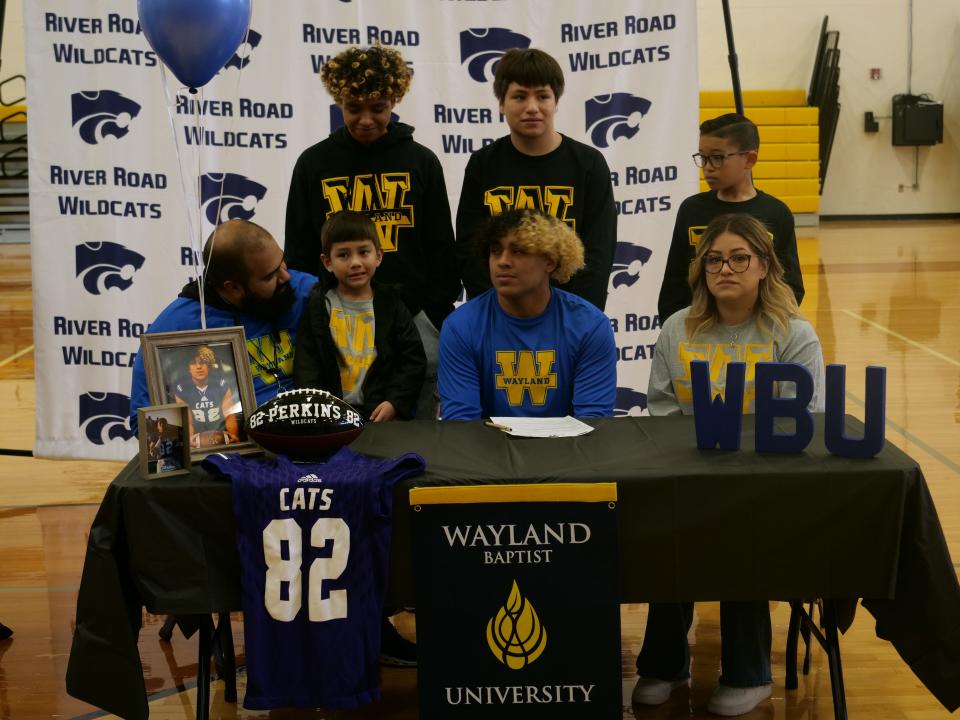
<point>731,701</point>
<point>650,691</point>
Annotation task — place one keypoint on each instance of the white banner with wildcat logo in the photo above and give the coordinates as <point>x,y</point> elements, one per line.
<point>114,226</point>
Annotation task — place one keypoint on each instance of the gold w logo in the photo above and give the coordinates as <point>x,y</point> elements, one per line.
<point>380,197</point>
<point>269,358</point>
<point>694,234</point>
<point>515,635</point>
<point>554,200</point>
<point>520,375</point>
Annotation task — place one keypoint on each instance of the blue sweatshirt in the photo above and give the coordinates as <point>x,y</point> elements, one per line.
<point>561,362</point>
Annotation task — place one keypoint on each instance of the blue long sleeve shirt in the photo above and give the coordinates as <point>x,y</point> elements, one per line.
<point>561,362</point>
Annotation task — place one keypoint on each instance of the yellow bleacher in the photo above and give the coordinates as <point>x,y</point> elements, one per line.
<point>789,166</point>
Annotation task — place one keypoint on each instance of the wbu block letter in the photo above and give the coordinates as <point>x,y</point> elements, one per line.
<point>718,420</point>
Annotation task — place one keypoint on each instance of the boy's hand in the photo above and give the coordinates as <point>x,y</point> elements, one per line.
<point>384,412</point>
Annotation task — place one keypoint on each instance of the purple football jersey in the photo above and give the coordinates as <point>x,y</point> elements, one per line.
<point>314,545</point>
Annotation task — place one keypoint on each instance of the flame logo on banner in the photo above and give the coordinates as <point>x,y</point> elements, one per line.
<point>516,636</point>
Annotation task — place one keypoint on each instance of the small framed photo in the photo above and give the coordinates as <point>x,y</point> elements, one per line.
<point>208,371</point>
<point>164,446</point>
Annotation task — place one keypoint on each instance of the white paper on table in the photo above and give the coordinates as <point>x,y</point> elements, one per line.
<point>542,427</point>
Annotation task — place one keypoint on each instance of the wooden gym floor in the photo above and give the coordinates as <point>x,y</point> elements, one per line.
<point>878,293</point>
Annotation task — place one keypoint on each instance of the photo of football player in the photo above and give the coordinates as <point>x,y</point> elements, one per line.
<point>167,448</point>
<point>214,412</point>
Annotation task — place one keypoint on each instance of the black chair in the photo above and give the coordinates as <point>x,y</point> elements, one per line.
<point>826,633</point>
<point>226,668</point>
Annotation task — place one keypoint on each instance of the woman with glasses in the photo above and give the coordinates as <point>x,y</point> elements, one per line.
<point>742,311</point>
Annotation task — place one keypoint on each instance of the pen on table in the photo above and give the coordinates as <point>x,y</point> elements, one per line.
<point>494,425</point>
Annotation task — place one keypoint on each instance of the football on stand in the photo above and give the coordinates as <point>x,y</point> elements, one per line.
<point>304,424</point>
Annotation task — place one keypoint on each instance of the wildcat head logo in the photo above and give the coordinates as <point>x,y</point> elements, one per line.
<point>99,114</point>
<point>104,417</point>
<point>241,58</point>
<point>482,48</point>
<point>336,117</point>
<point>229,196</point>
<point>105,265</point>
<point>608,117</point>
<point>629,402</point>
<point>628,261</point>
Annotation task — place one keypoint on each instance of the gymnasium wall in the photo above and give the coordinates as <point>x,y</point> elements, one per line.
<point>776,41</point>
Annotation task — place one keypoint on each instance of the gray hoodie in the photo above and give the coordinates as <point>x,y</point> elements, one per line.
<point>669,390</point>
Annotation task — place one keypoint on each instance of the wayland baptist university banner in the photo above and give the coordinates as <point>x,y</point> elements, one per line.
<point>518,611</point>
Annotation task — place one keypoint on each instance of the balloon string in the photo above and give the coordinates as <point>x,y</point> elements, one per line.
<point>198,260</point>
<point>223,175</point>
<point>195,239</point>
<point>198,239</point>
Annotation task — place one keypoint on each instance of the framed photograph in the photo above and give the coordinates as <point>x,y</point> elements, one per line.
<point>164,445</point>
<point>206,370</point>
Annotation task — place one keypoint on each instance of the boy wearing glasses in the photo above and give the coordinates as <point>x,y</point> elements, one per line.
<point>729,145</point>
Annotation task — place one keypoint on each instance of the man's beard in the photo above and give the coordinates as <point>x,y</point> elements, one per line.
<point>268,308</point>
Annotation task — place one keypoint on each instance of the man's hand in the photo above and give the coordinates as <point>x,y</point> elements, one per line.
<point>384,412</point>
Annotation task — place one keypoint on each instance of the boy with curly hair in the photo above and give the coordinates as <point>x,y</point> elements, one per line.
<point>373,165</point>
<point>525,348</point>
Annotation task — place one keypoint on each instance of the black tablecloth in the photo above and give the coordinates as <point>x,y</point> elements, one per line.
<point>694,525</point>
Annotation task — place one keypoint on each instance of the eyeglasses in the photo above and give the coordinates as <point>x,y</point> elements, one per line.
<point>738,262</point>
<point>714,161</point>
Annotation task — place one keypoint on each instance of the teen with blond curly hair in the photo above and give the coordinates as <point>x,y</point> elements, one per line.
<point>524,347</point>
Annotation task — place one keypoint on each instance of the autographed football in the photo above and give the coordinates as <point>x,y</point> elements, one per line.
<point>304,423</point>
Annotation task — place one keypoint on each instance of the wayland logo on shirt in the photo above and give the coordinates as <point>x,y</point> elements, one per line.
<point>102,266</point>
<point>104,417</point>
<point>608,117</point>
<point>271,358</point>
<point>99,114</point>
<point>629,402</point>
<point>554,200</point>
<point>229,196</point>
<point>515,635</point>
<point>381,197</point>
<point>719,355</point>
<point>241,58</point>
<point>694,233</point>
<point>520,373</point>
<point>628,261</point>
<point>482,48</point>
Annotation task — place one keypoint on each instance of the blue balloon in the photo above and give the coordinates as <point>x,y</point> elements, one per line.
<point>195,38</point>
